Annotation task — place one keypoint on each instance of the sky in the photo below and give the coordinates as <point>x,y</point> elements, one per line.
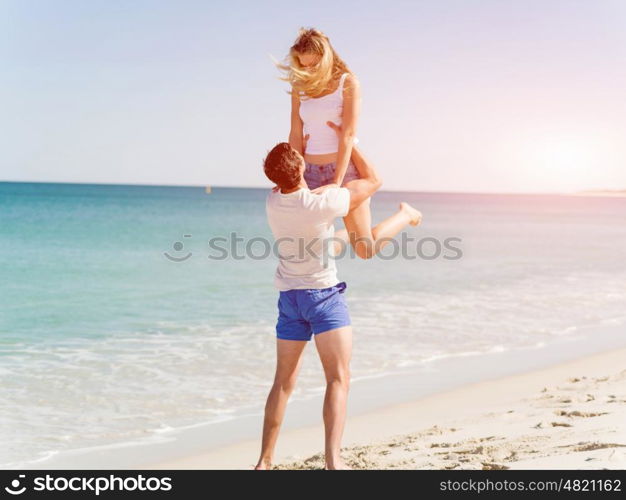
<point>473,96</point>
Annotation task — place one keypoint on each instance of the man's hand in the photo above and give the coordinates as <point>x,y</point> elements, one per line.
<point>323,188</point>
<point>320,189</point>
<point>335,127</point>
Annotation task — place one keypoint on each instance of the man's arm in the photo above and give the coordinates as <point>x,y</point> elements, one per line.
<point>368,184</point>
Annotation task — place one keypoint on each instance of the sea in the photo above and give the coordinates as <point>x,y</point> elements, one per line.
<point>129,311</point>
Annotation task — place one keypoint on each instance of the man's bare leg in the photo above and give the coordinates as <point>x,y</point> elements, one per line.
<point>288,361</point>
<point>335,351</point>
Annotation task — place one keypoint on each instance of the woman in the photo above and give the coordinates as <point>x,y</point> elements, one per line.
<point>325,90</point>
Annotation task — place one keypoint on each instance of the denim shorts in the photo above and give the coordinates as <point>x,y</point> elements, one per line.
<point>319,175</point>
<point>304,312</point>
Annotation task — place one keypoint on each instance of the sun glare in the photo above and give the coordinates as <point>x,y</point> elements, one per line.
<point>565,164</point>
<point>566,157</point>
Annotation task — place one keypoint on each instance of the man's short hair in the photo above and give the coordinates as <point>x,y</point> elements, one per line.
<point>282,166</point>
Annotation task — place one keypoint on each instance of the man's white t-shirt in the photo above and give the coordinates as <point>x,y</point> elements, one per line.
<point>303,226</point>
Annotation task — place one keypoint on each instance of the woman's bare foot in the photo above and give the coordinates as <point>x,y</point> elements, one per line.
<point>414,214</point>
<point>264,465</point>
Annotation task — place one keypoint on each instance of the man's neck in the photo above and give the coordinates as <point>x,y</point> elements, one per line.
<point>302,185</point>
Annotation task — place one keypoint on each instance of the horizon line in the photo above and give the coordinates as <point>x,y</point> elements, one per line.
<point>204,186</point>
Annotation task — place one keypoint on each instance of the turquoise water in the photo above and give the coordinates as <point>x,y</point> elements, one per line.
<point>104,339</point>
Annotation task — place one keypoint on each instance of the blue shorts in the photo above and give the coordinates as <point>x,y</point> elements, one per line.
<point>303,312</point>
<point>320,175</point>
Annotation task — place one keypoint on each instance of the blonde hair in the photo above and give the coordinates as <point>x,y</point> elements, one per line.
<point>330,67</point>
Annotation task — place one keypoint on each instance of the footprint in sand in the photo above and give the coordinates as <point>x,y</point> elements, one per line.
<point>595,446</point>
<point>488,438</point>
<point>576,413</point>
<point>612,398</point>
<point>560,424</point>
<point>490,466</point>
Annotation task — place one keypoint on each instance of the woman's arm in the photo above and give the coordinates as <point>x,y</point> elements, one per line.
<point>350,115</point>
<point>295,134</point>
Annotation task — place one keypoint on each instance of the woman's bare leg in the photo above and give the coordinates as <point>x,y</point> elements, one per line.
<point>368,241</point>
<point>341,240</point>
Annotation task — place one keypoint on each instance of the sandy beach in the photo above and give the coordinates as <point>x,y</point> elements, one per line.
<point>568,416</point>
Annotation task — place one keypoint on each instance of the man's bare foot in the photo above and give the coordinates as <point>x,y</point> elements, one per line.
<point>414,214</point>
<point>264,465</point>
<point>337,466</point>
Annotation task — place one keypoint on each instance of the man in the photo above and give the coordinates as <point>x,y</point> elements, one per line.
<point>311,298</point>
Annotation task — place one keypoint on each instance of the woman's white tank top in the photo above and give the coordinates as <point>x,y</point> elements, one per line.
<point>315,112</point>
